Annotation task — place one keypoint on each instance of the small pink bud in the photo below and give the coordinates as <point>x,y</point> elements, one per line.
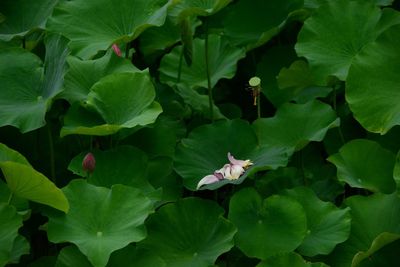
<point>116,49</point>
<point>89,163</point>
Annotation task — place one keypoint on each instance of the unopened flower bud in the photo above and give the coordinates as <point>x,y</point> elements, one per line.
<point>89,163</point>
<point>116,49</point>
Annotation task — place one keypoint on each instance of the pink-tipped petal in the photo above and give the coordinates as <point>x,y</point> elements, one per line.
<point>244,163</point>
<point>209,179</point>
<point>116,49</point>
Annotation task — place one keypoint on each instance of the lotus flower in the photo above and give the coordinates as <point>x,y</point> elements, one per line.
<point>89,163</point>
<point>230,171</point>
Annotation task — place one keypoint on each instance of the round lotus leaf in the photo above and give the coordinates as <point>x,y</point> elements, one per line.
<point>295,125</point>
<point>337,32</point>
<point>27,87</point>
<point>267,227</point>
<point>117,101</point>
<point>21,16</point>
<point>94,25</point>
<point>190,232</point>
<point>365,164</point>
<point>100,220</point>
<point>375,223</point>
<point>327,225</point>
<point>205,150</point>
<point>372,84</point>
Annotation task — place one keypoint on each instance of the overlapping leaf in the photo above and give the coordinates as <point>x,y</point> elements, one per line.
<point>222,56</point>
<point>365,164</point>
<point>190,232</point>
<point>100,220</point>
<point>117,101</point>
<point>21,16</point>
<point>327,225</point>
<point>372,84</point>
<point>27,88</point>
<point>337,32</point>
<point>290,259</point>
<point>372,216</point>
<point>83,74</point>
<point>206,148</point>
<point>294,125</point>
<point>95,25</point>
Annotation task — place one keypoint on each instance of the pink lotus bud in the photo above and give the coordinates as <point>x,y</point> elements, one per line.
<point>89,163</point>
<point>116,49</point>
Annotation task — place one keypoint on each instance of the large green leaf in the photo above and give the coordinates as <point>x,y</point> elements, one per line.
<point>372,84</point>
<point>27,88</point>
<point>206,148</point>
<point>373,219</point>
<point>254,24</point>
<point>267,227</point>
<point>187,8</point>
<point>129,256</point>
<point>10,222</point>
<point>83,74</point>
<point>190,232</point>
<point>222,63</point>
<point>365,164</point>
<point>8,154</point>
<point>295,125</point>
<point>125,165</point>
<point>290,259</point>
<point>379,242</point>
<point>21,16</point>
<point>26,182</point>
<point>337,32</point>
<point>121,100</point>
<point>327,225</point>
<point>100,220</point>
<point>96,24</point>
<point>20,247</point>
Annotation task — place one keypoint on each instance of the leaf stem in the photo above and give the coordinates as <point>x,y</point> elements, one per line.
<point>127,50</point>
<point>335,108</point>
<point>178,79</point>
<point>51,151</point>
<point>258,103</point>
<point>10,198</point>
<point>210,95</point>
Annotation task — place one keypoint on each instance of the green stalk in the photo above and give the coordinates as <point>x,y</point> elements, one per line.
<point>258,103</point>
<point>51,148</point>
<point>10,198</point>
<point>335,108</point>
<point>127,50</point>
<point>178,79</point>
<point>210,96</point>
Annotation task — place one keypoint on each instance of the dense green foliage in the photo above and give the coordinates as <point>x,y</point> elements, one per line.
<point>131,136</point>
